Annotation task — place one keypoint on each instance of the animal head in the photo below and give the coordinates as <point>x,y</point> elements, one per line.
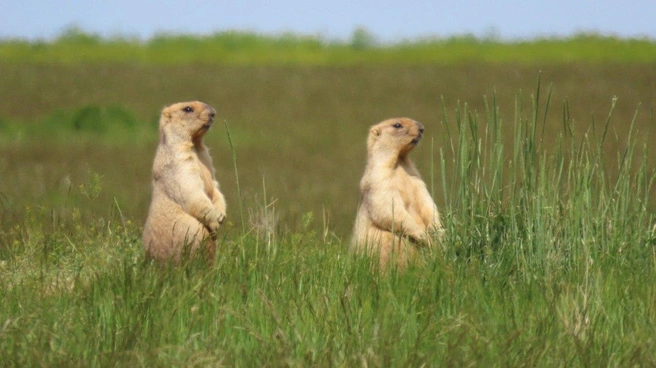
<point>189,120</point>
<point>396,136</point>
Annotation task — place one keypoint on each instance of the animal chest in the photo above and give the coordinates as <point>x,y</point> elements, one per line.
<point>410,190</point>
<point>206,177</point>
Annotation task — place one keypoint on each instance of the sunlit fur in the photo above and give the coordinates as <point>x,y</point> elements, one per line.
<point>396,212</point>
<point>186,207</point>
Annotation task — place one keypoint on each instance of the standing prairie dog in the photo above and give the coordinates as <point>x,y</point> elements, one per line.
<point>187,207</point>
<point>396,212</point>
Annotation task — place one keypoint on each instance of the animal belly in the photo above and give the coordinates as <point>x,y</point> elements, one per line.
<point>171,227</point>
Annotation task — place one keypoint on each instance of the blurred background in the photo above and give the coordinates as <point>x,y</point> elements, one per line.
<point>298,84</point>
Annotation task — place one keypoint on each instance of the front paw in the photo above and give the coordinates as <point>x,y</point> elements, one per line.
<point>213,225</point>
<point>418,239</point>
<point>221,217</point>
<point>212,220</point>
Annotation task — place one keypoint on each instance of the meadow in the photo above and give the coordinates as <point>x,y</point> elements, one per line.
<point>538,153</point>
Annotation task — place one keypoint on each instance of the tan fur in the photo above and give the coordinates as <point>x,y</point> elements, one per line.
<point>187,207</point>
<point>396,212</point>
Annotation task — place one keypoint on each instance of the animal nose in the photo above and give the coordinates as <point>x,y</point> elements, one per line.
<point>421,127</point>
<point>210,111</point>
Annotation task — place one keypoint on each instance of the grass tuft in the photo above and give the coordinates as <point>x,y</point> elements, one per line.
<point>548,260</point>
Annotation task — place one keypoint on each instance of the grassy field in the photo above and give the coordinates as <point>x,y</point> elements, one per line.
<point>546,190</point>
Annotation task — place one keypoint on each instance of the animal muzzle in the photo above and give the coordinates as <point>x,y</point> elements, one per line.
<point>420,134</point>
<point>209,122</point>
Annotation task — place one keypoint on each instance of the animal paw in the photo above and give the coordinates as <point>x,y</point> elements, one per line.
<point>418,238</point>
<point>221,217</point>
<point>213,220</point>
<point>213,225</point>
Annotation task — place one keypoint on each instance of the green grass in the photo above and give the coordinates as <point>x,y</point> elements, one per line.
<point>300,129</point>
<point>547,195</point>
<point>549,260</point>
<point>243,48</point>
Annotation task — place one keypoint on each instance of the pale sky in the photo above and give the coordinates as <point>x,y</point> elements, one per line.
<point>388,20</point>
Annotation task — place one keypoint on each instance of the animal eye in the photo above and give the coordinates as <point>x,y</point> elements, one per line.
<point>187,109</point>
<point>397,125</point>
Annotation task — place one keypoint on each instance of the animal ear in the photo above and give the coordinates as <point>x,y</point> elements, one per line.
<point>166,113</point>
<point>375,131</point>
